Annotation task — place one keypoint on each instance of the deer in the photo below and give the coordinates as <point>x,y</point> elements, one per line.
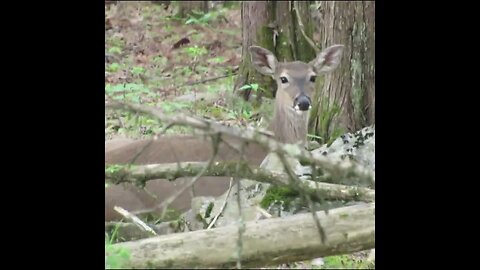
<point>295,84</point>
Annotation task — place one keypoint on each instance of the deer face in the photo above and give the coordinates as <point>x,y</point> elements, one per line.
<point>295,80</point>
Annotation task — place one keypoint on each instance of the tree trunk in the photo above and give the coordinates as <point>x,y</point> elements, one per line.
<point>186,7</point>
<point>264,242</point>
<point>345,100</point>
<point>273,25</point>
<point>256,17</point>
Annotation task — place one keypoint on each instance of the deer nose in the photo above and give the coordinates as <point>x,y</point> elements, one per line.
<point>302,103</point>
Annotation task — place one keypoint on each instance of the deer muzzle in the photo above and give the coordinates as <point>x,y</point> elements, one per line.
<point>302,103</point>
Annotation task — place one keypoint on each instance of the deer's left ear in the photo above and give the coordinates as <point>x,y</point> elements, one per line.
<point>328,59</point>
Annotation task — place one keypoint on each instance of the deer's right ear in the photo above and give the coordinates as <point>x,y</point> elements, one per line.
<point>263,60</point>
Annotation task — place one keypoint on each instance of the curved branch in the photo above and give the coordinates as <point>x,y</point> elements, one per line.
<point>302,28</point>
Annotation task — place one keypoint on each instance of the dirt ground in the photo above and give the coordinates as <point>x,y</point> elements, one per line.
<point>178,65</point>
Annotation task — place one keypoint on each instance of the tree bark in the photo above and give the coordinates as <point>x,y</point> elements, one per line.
<point>273,25</point>
<point>345,100</point>
<point>348,230</point>
<point>256,17</point>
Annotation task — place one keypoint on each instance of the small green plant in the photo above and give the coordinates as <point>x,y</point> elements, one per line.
<point>172,106</point>
<point>326,117</point>
<point>129,92</point>
<point>198,17</point>
<point>314,136</point>
<point>217,60</point>
<point>113,67</point>
<point>138,70</point>
<point>345,261</point>
<point>245,112</point>
<point>116,42</point>
<point>115,49</point>
<point>276,194</point>
<point>186,70</point>
<point>115,257</point>
<point>253,86</point>
<point>195,51</point>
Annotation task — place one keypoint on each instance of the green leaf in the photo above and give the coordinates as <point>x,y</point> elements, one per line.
<point>138,70</point>
<point>192,21</point>
<point>247,86</point>
<point>115,50</point>
<point>113,67</point>
<point>218,59</point>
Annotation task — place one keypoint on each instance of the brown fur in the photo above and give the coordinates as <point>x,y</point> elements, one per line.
<point>170,149</point>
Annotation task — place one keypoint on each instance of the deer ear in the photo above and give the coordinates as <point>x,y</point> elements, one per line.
<point>263,60</point>
<point>328,59</point>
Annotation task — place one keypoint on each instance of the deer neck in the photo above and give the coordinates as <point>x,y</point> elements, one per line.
<point>289,125</point>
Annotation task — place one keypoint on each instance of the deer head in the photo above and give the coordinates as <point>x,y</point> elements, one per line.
<point>295,85</point>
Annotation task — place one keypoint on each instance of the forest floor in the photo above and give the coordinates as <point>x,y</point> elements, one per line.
<point>180,65</point>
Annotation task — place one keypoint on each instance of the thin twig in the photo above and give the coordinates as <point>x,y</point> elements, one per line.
<point>300,24</point>
<point>172,198</point>
<point>134,219</point>
<point>241,225</point>
<point>223,205</point>
<point>294,180</point>
<point>263,212</point>
<point>208,79</point>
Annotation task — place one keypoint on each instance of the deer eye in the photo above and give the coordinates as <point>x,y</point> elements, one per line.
<point>312,78</point>
<point>284,79</point>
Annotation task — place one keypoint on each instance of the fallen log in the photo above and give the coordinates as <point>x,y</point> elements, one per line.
<point>265,242</point>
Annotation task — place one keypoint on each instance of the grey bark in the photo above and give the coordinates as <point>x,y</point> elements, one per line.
<point>345,101</point>
<point>265,242</point>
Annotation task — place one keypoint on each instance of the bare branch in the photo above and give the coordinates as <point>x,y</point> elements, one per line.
<point>337,169</point>
<point>302,28</point>
<point>209,79</point>
<point>134,219</point>
<point>138,175</point>
<point>223,206</point>
<point>172,198</point>
<point>294,180</point>
<point>241,222</point>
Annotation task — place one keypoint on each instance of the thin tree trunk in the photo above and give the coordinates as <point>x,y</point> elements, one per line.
<point>256,18</point>
<point>345,100</point>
